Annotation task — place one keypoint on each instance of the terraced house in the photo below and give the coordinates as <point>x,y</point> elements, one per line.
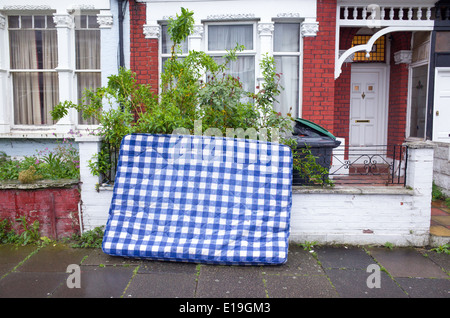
<point>371,72</point>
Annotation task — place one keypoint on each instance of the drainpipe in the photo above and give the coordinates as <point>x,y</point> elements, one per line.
<point>121,12</point>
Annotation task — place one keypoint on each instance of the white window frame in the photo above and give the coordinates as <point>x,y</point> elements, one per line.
<point>253,52</point>
<point>11,71</point>
<point>300,61</point>
<point>77,71</point>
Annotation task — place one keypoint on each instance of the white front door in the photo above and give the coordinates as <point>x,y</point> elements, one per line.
<point>441,117</point>
<point>367,106</point>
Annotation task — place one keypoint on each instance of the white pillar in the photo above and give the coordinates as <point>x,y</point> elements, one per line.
<point>265,33</point>
<point>5,109</point>
<point>195,39</point>
<point>419,172</point>
<point>95,202</point>
<point>64,24</point>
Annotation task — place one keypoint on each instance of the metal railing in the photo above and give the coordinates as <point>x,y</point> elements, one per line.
<point>369,165</point>
<point>365,165</point>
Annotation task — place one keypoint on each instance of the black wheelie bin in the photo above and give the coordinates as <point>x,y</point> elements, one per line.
<point>318,140</point>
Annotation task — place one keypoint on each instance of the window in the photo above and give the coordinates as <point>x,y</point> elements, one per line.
<point>286,47</point>
<point>33,47</point>
<point>225,37</point>
<point>378,49</point>
<point>418,90</point>
<point>87,47</point>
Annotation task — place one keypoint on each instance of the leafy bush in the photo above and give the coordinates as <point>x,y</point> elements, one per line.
<point>61,163</point>
<point>29,234</point>
<point>92,238</point>
<point>193,88</point>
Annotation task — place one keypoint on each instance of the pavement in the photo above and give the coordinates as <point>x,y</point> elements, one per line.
<point>317,272</point>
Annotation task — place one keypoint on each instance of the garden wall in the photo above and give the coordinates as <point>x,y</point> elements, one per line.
<point>53,203</point>
<point>442,166</point>
<point>344,215</point>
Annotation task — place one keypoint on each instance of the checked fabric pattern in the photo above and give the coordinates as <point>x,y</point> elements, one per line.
<point>201,199</point>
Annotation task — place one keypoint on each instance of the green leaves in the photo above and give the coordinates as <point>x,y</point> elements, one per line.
<point>181,27</point>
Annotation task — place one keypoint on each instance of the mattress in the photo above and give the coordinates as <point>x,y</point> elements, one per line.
<point>201,199</point>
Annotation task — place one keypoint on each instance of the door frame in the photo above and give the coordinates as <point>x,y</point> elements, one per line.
<point>383,91</point>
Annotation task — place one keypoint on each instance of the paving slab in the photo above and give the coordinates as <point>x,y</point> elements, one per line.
<point>230,282</point>
<point>98,282</point>
<point>299,262</point>
<point>12,255</point>
<point>310,286</point>
<point>162,285</point>
<point>96,257</point>
<point>53,258</point>
<point>30,284</point>
<point>344,257</point>
<point>425,287</point>
<point>407,262</point>
<point>440,259</point>
<point>353,284</point>
<point>149,267</point>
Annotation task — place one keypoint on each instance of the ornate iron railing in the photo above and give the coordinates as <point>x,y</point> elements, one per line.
<point>370,165</point>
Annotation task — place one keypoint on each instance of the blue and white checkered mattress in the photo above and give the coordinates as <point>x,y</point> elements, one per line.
<point>201,199</point>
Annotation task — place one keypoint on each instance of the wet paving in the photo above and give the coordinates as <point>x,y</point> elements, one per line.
<point>324,272</point>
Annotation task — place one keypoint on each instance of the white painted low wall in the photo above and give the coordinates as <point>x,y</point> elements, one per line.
<point>369,215</point>
<point>340,215</point>
<point>366,215</point>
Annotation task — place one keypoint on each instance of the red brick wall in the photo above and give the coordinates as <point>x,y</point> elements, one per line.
<point>55,209</point>
<point>144,52</point>
<point>398,90</point>
<point>318,68</point>
<point>342,89</point>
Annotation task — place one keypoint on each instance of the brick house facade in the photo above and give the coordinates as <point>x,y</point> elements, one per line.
<point>324,98</point>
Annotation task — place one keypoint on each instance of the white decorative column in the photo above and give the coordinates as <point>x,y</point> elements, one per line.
<point>109,35</point>
<point>265,33</point>
<point>195,39</point>
<point>64,23</point>
<point>5,113</point>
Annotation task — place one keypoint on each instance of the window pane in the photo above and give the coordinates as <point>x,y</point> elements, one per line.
<point>91,81</point>
<point>227,37</point>
<point>92,22</point>
<point>243,69</point>
<point>39,21</point>
<point>288,101</point>
<point>30,49</point>
<point>13,21</point>
<point>50,23</point>
<point>26,22</point>
<point>287,37</point>
<point>418,101</point>
<point>166,42</point>
<point>87,49</point>
<point>35,95</point>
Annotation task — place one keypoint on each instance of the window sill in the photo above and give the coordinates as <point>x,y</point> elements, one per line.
<point>48,132</point>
